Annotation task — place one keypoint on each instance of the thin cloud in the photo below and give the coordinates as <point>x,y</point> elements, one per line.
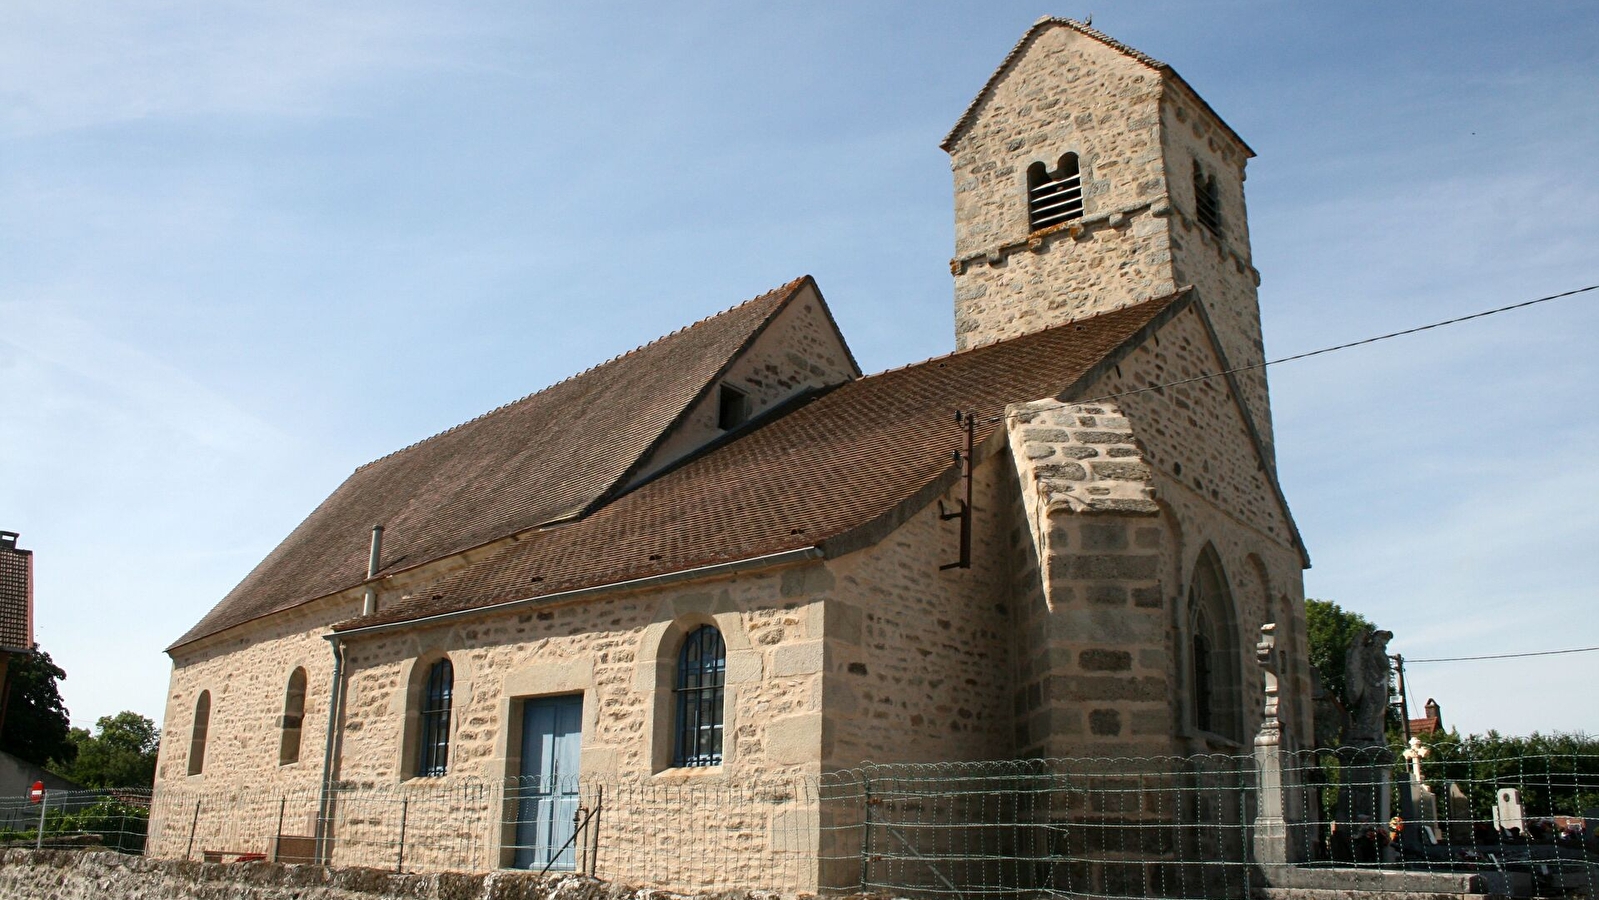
<point>74,64</point>
<point>62,355</point>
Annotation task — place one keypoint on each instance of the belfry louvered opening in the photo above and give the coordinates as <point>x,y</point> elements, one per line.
<point>1207,202</point>
<point>1054,196</point>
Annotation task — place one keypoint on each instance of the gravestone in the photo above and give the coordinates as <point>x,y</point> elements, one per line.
<point>1508,815</point>
<point>1459,811</point>
<point>1424,805</point>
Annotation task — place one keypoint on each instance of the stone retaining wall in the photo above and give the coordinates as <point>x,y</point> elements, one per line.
<point>102,875</point>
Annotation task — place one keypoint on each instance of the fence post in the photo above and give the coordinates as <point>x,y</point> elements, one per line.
<point>44,804</point>
<point>594,837</point>
<point>405,814</point>
<point>193,824</point>
<point>866,834</point>
<point>277,839</point>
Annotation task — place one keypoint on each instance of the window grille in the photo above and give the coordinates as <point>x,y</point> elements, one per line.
<point>1054,197</point>
<point>433,751</point>
<point>732,408</point>
<point>1207,205</point>
<point>701,684</point>
<point>197,738</point>
<point>293,715</point>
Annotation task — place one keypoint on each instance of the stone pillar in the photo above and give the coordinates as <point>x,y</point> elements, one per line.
<point>1271,839</point>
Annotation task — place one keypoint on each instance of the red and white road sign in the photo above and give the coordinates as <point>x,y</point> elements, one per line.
<point>36,793</point>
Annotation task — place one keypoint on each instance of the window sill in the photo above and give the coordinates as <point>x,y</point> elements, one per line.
<point>424,779</point>
<point>688,773</point>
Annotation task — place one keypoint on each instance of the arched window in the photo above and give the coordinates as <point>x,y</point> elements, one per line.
<point>1207,204</point>
<point>1054,197</point>
<point>202,724</point>
<point>700,689</point>
<point>1213,631</point>
<point>293,715</point>
<point>433,749</point>
<point>1204,686</point>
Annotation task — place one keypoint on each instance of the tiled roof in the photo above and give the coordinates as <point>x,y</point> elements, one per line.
<point>835,463</point>
<point>545,457</point>
<point>1103,38</point>
<point>1426,725</point>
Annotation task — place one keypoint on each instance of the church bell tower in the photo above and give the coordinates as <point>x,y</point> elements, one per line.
<point>1088,177</point>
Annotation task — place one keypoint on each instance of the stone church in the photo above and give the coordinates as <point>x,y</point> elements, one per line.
<point>729,554</point>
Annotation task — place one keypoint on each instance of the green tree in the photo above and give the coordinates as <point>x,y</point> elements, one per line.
<point>37,728</point>
<point>1330,629</point>
<point>1557,773</point>
<point>120,754</point>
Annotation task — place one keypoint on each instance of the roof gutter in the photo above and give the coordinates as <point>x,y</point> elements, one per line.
<point>768,560</point>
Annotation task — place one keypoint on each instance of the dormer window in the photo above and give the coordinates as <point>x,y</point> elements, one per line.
<point>732,408</point>
<point>1207,205</point>
<point>1054,196</point>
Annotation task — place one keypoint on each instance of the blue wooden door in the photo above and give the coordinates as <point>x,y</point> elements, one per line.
<point>552,732</point>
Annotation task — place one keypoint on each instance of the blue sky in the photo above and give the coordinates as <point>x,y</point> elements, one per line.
<point>250,246</point>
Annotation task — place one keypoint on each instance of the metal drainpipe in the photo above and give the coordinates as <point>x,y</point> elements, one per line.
<point>369,604</point>
<point>324,847</point>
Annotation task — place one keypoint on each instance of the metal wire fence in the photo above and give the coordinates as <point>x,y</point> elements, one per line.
<point>1159,827</point>
<point>1175,827</point>
<point>1529,823</point>
<point>111,819</point>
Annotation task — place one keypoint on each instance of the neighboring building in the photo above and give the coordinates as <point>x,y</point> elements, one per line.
<point>17,776</point>
<point>729,555</point>
<point>16,609</point>
<point>1431,723</point>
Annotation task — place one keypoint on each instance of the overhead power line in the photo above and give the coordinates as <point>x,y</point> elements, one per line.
<point>1309,353</point>
<point>1444,659</point>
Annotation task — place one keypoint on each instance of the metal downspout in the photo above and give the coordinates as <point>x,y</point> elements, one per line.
<point>369,603</point>
<point>324,838</point>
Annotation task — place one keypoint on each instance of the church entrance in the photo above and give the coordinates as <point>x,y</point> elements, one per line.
<point>552,732</point>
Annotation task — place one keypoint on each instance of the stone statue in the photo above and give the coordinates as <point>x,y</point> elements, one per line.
<point>1330,722</point>
<point>1366,683</point>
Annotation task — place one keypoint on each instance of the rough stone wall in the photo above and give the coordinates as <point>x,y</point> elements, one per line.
<point>78,875</point>
<point>1221,264</point>
<point>247,671</point>
<point>607,649</point>
<point>799,350</point>
<point>918,657</point>
<point>1116,501</point>
<point>620,653</point>
<point>1137,133</point>
<point>1065,93</point>
<point>1214,489</point>
<point>1093,661</point>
